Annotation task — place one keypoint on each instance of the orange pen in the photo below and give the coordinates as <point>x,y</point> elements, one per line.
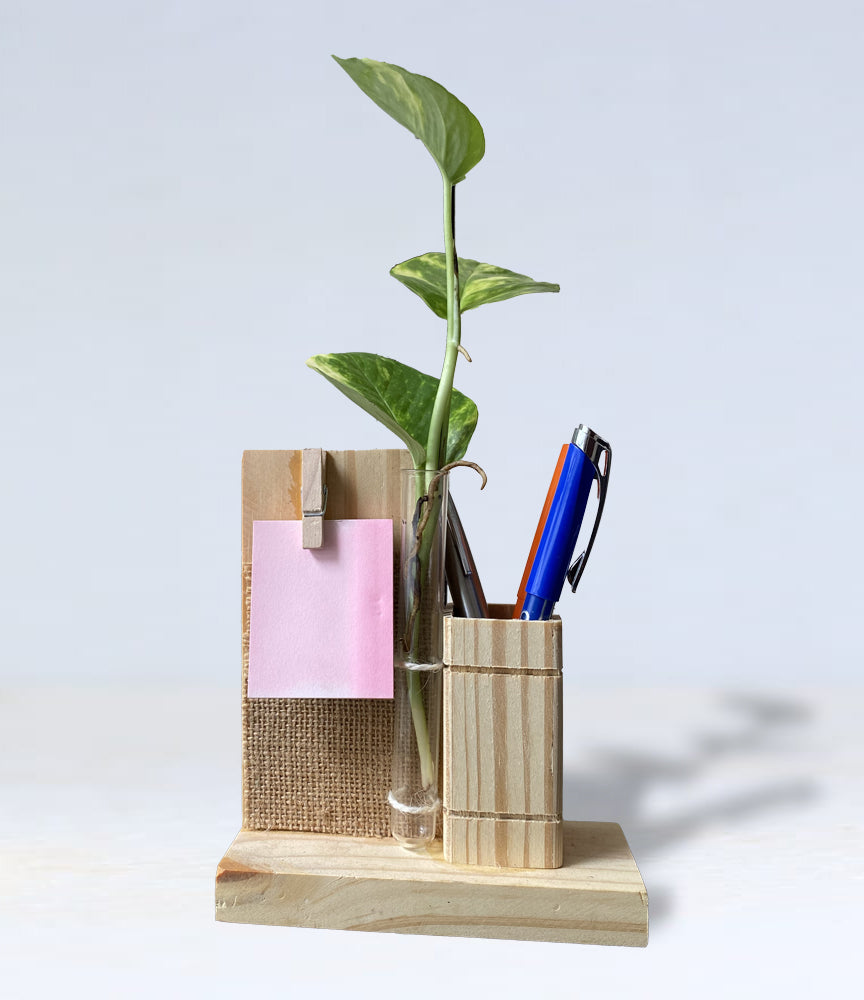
<point>520,596</point>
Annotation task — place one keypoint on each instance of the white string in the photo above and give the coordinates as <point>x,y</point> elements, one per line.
<point>412,810</point>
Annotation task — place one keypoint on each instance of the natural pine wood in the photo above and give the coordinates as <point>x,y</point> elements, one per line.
<point>524,843</point>
<point>502,741</point>
<point>347,883</point>
<point>501,642</point>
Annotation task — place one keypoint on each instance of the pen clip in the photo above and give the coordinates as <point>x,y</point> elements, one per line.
<point>574,574</point>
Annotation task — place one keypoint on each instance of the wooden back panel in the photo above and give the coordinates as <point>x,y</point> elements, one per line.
<point>318,765</point>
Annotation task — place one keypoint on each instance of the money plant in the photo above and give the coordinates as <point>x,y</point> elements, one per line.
<point>433,419</point>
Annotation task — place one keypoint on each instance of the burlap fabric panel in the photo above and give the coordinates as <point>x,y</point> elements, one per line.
<point>321,765</point>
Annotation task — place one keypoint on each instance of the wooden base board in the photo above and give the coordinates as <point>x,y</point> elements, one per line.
<point>365,884</point>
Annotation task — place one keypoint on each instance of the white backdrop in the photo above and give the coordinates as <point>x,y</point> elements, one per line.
<point>195,198</point>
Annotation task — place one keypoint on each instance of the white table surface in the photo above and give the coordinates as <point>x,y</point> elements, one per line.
<point>745,812</point>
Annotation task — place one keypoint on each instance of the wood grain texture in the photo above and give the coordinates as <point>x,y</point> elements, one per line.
<point>347,883</point>
<point>502,738</point>
<point>502,741</point>
<point>316,764</point>
<point>499,641</point>
<point>522,842</point>
<point>312,497</point>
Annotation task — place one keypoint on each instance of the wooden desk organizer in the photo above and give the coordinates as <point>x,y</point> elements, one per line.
<point>502,741</point>
<point>314,849</point>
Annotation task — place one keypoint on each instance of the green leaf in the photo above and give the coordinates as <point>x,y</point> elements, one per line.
<point>440,121</point>
<point>426,276</point>
<point>400,397</point>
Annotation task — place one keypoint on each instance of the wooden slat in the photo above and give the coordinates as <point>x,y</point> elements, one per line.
<point>502,642</point>
<point>347,883</point>
<point>523,843</point>
<point>502,742</point>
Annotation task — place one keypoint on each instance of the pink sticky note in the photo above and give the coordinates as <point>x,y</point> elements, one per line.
<point>321,623</point>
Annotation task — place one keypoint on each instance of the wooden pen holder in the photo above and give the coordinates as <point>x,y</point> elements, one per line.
<point>502,741</point>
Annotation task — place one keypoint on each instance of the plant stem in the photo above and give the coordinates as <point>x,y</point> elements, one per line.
<point>436,444</point>
<point>436,453</point>
<point>415,636</point>
<point>421,729</point>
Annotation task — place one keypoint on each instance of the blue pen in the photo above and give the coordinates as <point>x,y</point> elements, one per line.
<point>558,530</point>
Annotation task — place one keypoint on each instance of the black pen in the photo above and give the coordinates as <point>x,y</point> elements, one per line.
<point>462,579</point>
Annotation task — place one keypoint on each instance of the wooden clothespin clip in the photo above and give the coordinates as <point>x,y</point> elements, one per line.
<point>313,495</point>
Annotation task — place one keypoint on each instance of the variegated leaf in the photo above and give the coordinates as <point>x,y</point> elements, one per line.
<point>426,276</point>
<point>400,397</point>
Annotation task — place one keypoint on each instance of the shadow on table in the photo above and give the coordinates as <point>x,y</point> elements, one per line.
<point>617,787</point>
